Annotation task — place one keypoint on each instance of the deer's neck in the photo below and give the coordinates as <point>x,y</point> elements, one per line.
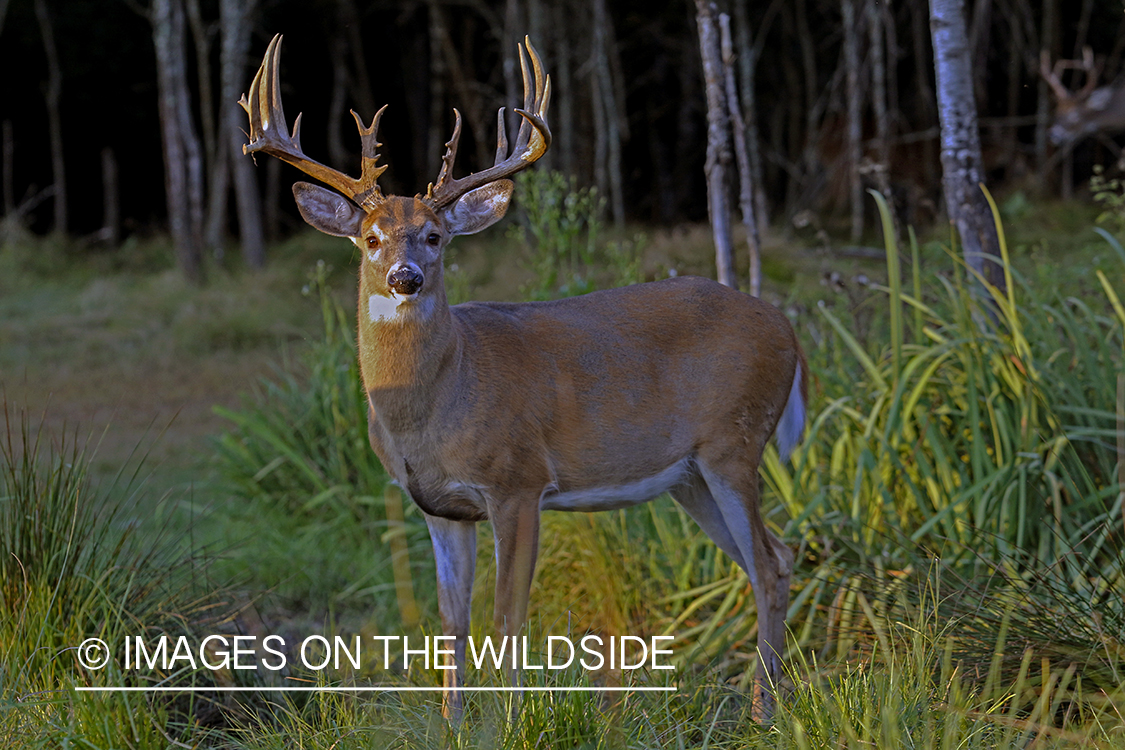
<point>407,352</point>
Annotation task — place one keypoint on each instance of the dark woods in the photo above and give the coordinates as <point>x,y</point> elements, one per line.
<point>840,95</point>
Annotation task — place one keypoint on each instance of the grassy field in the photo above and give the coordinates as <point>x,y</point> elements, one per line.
<point>187,461</point>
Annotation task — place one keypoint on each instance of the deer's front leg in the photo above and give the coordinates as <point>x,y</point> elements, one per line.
<point>515,526</point>
<point>455,549</point>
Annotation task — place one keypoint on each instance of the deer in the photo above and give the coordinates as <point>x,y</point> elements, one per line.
<point>1092,109</point>
<point>499,411</point>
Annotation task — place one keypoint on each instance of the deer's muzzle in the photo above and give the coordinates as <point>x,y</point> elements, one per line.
<point>405,279</point>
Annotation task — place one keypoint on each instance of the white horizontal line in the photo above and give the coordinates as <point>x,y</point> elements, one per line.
<point>306,689</point>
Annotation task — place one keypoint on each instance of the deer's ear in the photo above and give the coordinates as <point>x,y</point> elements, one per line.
<point>479,209</point>
<point>327,211</point>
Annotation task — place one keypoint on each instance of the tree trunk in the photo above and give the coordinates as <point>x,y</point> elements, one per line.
<point>894,53</point>
<point>1016,52</point>
<point>8,182</point>
<point>111,205</point>
<point>745,184</point>
<point>437,134</point>
<point>564,110</point>
<point>748,64</point>
<point>855,115</point>
<point>960,140</point>
<point>544,44</point>
<point>718,148</point>
<point>881,169</point>
<point>1047,41</point>
<point>215,159</point>
<point>513,83</point>
<point>601,135</point>
<point>235,16</point>
<point>179,171</point>
<point>201,38</point>
<point>53,95</point>
<point>614,122</point>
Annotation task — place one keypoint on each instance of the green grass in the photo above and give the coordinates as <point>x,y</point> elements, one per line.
<point>73,567</point>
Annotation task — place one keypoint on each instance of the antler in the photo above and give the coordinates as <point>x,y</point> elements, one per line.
<point>1051,74</point>
<point>268,134</point>
<point>531,143</point>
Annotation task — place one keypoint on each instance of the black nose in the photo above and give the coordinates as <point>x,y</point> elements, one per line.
<point>405,280</point>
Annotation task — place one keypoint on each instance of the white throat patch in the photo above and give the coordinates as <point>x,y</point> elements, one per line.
<point>382,309</point>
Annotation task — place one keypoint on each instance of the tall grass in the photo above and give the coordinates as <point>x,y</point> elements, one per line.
<point>72,567</point>
<point>982,436</point>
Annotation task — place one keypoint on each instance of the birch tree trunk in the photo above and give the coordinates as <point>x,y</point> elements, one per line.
<point>235,17</point>
<point>960,140</point>
<point>53,95</point>
<point>742,158</point>
<point>718,147</point>
<point>748,69</point>
<point>182,167</point>
<point>201,38</point>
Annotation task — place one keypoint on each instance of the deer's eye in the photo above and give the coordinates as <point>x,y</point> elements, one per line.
<point>434,239</point>
<point>373,242</point>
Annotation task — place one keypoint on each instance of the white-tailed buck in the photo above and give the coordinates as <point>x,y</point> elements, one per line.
<point>496,412</point>
<point>1092,109</point>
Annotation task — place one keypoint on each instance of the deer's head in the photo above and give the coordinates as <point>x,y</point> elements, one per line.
<point>1088,110</point>
<point>400,239</point>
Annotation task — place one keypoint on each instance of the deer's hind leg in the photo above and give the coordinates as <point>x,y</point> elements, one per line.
<point>732,479</point>
<point>698,502</point>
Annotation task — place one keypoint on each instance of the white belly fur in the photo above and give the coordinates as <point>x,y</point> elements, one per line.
<point>618,496</point>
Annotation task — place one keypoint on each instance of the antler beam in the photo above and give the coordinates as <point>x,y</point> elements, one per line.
<point>531,143</point>
<point>269,134</point>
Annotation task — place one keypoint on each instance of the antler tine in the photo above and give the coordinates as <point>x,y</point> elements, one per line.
<point>269,134</point>
<point>532,141</point>
<point>450,156</point>
<point>501,137</point>
<point>370,169</point>
<point>1050,74</point>
<point>1093,72</point>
